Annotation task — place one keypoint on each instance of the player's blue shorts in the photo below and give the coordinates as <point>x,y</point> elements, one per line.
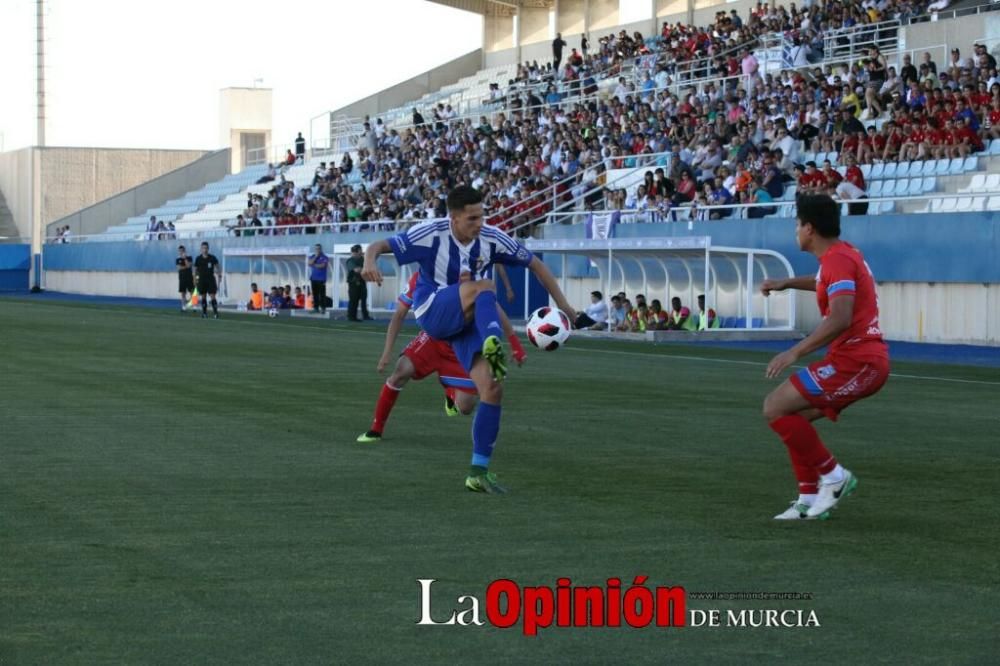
<point>444,320</point>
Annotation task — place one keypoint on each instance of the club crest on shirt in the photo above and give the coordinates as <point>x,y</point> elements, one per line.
<point>826,371</point>
<point>522,254</point>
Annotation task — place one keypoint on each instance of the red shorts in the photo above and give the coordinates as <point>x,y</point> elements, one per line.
<point>838,381</point>
<point>429,356</point>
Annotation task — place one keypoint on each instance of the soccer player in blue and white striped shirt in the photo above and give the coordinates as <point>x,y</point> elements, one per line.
<point>455,300</point>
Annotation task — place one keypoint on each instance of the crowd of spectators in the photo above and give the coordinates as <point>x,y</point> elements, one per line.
<point>737,139</point>
<point>625,317</point>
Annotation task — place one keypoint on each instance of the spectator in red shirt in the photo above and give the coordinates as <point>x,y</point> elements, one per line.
<point>832,177</point>
<point>991,126</point>
<point>812,181</point>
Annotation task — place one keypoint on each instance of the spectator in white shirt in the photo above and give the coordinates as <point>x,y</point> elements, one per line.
<point>596,316</point>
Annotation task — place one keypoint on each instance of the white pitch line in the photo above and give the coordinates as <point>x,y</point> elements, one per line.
<point>248,319</point>
<point>762,364</point>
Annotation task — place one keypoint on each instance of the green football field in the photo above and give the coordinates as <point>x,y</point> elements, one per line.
<point>181,491</point>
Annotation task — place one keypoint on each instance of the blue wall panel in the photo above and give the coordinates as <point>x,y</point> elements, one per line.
<point>15,264</point>
<point>963,247</point>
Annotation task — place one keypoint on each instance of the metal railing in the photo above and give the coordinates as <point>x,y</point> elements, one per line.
<point>955,13</point>
<point>853,43</point>
<point>682,213</point>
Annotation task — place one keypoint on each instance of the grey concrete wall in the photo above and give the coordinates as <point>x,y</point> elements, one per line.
<point>16,184</point>
<point>961,32</point>
<point>73,178</point>
<point>96,218</point>
<point>416,87</point>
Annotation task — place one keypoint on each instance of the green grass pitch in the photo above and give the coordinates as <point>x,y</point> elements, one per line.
<point>181,491</point>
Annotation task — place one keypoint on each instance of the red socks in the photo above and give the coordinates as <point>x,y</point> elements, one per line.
<point>386,399</point>
<point>517,351</point>
<point>809,457</point>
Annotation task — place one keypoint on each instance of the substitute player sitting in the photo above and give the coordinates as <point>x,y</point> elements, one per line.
<point>422,357</point>
<point>856,363</point>
<point>455,301</point>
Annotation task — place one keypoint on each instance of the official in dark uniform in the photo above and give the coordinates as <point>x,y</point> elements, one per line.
<point>205,268</point>
<point>185,278</point>
<point>357,288</point>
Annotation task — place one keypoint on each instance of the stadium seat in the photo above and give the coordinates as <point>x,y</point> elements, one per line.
<point>928,184</point>
<point>978,203</point>
<point>994,148</point>
<point>928,168</point>
<point>977,184</point>
<point>941,167</point>
<point>913,186</point>
<point>890,170</point>
<point>889,188</point>
<point>866,171</point>
<point>992,182</point>
<point>902,169</point>
<point>876,189</point>
<point>955,167</point>
<point>971,163</point>
<point>877,170</point>
<point>993,203</point>
<point>949,205</point>
<point>963,205</point>
<point>832,157</point>
<point>886,207</point>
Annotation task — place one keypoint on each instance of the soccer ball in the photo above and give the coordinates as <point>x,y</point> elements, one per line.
<point>548,328</point>
<point>272,313</point>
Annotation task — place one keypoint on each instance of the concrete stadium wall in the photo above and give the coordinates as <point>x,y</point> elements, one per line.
<point>17,175</point>
<point>414,88</point>
<point>42,185</point>
<point>961,32</point>
<point>115,210</point>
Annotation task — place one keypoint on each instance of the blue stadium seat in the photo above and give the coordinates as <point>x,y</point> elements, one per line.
<point>889,188</point>
<point>941,167</point>
<point>994,147</point>
<point>971,163</point>
<point>866,171</point>
<point>928,169</point>
<point>876,189</point>
<point>928,184</point>
<point>902,169</point>
<point>890,170</point>
<point>877,170</point>
<point>955,167</point>
<point>913,187</point>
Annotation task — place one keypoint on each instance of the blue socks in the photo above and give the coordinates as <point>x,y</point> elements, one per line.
<point>487,319</point>
<point>485,428</point>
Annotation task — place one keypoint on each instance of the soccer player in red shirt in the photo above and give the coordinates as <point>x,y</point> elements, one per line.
<point>423,357</point>
<point>856,364</point>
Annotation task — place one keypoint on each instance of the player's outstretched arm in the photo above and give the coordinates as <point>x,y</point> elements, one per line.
<point>391,333</point>
<point>505,279</point>
<point>548,280</point>
<point>839,320</point>
<point>802,283</point>
<point>370,272</point>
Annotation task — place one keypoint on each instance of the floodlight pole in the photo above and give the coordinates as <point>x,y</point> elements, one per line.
<point>40,67</point>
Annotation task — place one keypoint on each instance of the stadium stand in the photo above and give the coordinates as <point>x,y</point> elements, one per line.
<point>737,105</point>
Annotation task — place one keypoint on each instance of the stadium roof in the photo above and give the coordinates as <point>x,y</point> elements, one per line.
<point>494,7</point>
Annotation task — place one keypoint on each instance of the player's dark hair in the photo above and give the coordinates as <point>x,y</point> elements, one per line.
<point>676,300</point>
<point>204,244</point>
<point>463,196</point>
<point>597,294</point>
<point>821,212</point>
<point>180,247</point>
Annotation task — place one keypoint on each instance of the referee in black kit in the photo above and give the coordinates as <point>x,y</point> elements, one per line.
<point>205,268</point>
<point>185,279</point>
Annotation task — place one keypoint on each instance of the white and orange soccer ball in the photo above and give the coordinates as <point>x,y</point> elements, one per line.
<point>548,328</point>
